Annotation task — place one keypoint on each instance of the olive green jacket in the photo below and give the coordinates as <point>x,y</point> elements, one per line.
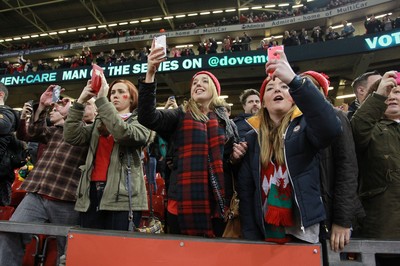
<point>377,144</point>
<point>129,135</point>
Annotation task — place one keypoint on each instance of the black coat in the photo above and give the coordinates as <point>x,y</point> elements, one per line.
<point>7,127</point>
<point>339,178</point>
<point>241,123</point>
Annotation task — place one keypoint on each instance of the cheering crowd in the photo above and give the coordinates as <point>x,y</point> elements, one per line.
<point>303,170</point>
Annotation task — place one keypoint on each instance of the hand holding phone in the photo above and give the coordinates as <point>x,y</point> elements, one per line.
<point>96,78</point>
<point>161,41</point>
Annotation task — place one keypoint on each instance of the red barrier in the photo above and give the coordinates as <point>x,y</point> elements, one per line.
<point>96,249</point>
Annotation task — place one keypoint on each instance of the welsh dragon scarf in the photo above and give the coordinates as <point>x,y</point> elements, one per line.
<point>200,197</point>
<point>276,191</point>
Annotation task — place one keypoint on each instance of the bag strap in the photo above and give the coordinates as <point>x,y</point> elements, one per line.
<point>233,184</point>
<point>216,188</point>
<point>150,169</point>
<point>229,216</point>
<point>131,226</point>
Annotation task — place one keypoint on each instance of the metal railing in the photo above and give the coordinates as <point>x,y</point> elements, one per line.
<point>34,228</point>
<point>362,252</point>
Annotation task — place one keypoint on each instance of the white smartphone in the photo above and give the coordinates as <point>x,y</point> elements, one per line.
<point>161,41</point>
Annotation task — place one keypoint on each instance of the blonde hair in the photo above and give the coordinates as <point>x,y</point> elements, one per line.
<point>194,108</point>
<point>270,137</point>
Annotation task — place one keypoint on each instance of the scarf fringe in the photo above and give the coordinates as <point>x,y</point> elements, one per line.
<point>279,240</point>
<point>279,216</point>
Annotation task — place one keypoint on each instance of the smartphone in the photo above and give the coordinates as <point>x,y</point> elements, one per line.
<point>271,53</point>
<point>161,41</point>
<point>172,97</point>
<point>272,50</point>
<point>56,93</point>
<point>96,78</point>
<point>398,78</point>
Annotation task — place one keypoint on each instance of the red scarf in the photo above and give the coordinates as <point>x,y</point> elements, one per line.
<point>197,198</point>
<point>276,191</point>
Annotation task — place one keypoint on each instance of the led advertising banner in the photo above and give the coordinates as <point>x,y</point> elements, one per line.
<point>313,51</point>
<point>138,68</point>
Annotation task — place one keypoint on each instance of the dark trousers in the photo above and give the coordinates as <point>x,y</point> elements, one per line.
<point>173,225</point>
<point>99,219</point>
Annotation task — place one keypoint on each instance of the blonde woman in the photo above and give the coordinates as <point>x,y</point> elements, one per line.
<point>201,138</point>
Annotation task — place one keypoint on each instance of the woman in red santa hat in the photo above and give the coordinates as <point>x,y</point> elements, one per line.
<point>279,187</point>
<point>201,138</point>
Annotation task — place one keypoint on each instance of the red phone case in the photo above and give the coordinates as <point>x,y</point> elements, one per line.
<point>96,79</point>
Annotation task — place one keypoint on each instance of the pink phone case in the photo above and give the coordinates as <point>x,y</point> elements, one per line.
<point>272,50</point>
<point>398,78</point>
<point>271,53</point>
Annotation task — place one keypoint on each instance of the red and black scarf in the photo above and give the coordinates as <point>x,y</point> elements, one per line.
<point>201,150</point>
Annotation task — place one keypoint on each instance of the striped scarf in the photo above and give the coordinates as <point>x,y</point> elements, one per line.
<point>198,195</point>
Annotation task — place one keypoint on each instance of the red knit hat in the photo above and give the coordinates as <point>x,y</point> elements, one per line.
<point>214,79</point>
<point>321,78</point>
<point>262,89</point>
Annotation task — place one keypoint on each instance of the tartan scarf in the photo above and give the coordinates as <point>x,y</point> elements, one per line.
<point>276,191</point>
<point>201,149</point>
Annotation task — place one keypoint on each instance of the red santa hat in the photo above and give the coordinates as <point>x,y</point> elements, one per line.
<point>262,89</point>
<point>321,78</point>
<point>214,79</point>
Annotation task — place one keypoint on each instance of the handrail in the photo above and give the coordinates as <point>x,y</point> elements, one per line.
<point>34,228</point>
<point>367,248</point>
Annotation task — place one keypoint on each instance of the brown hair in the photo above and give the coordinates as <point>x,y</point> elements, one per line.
<point>246,93</point>
<point>270,137</point>
<point>362,79</point>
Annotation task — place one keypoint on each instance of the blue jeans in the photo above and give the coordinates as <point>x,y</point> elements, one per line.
<point>35,209</point>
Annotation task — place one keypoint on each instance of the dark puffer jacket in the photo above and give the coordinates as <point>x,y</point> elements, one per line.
<point>339,178</point>
<point>310,130</point>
